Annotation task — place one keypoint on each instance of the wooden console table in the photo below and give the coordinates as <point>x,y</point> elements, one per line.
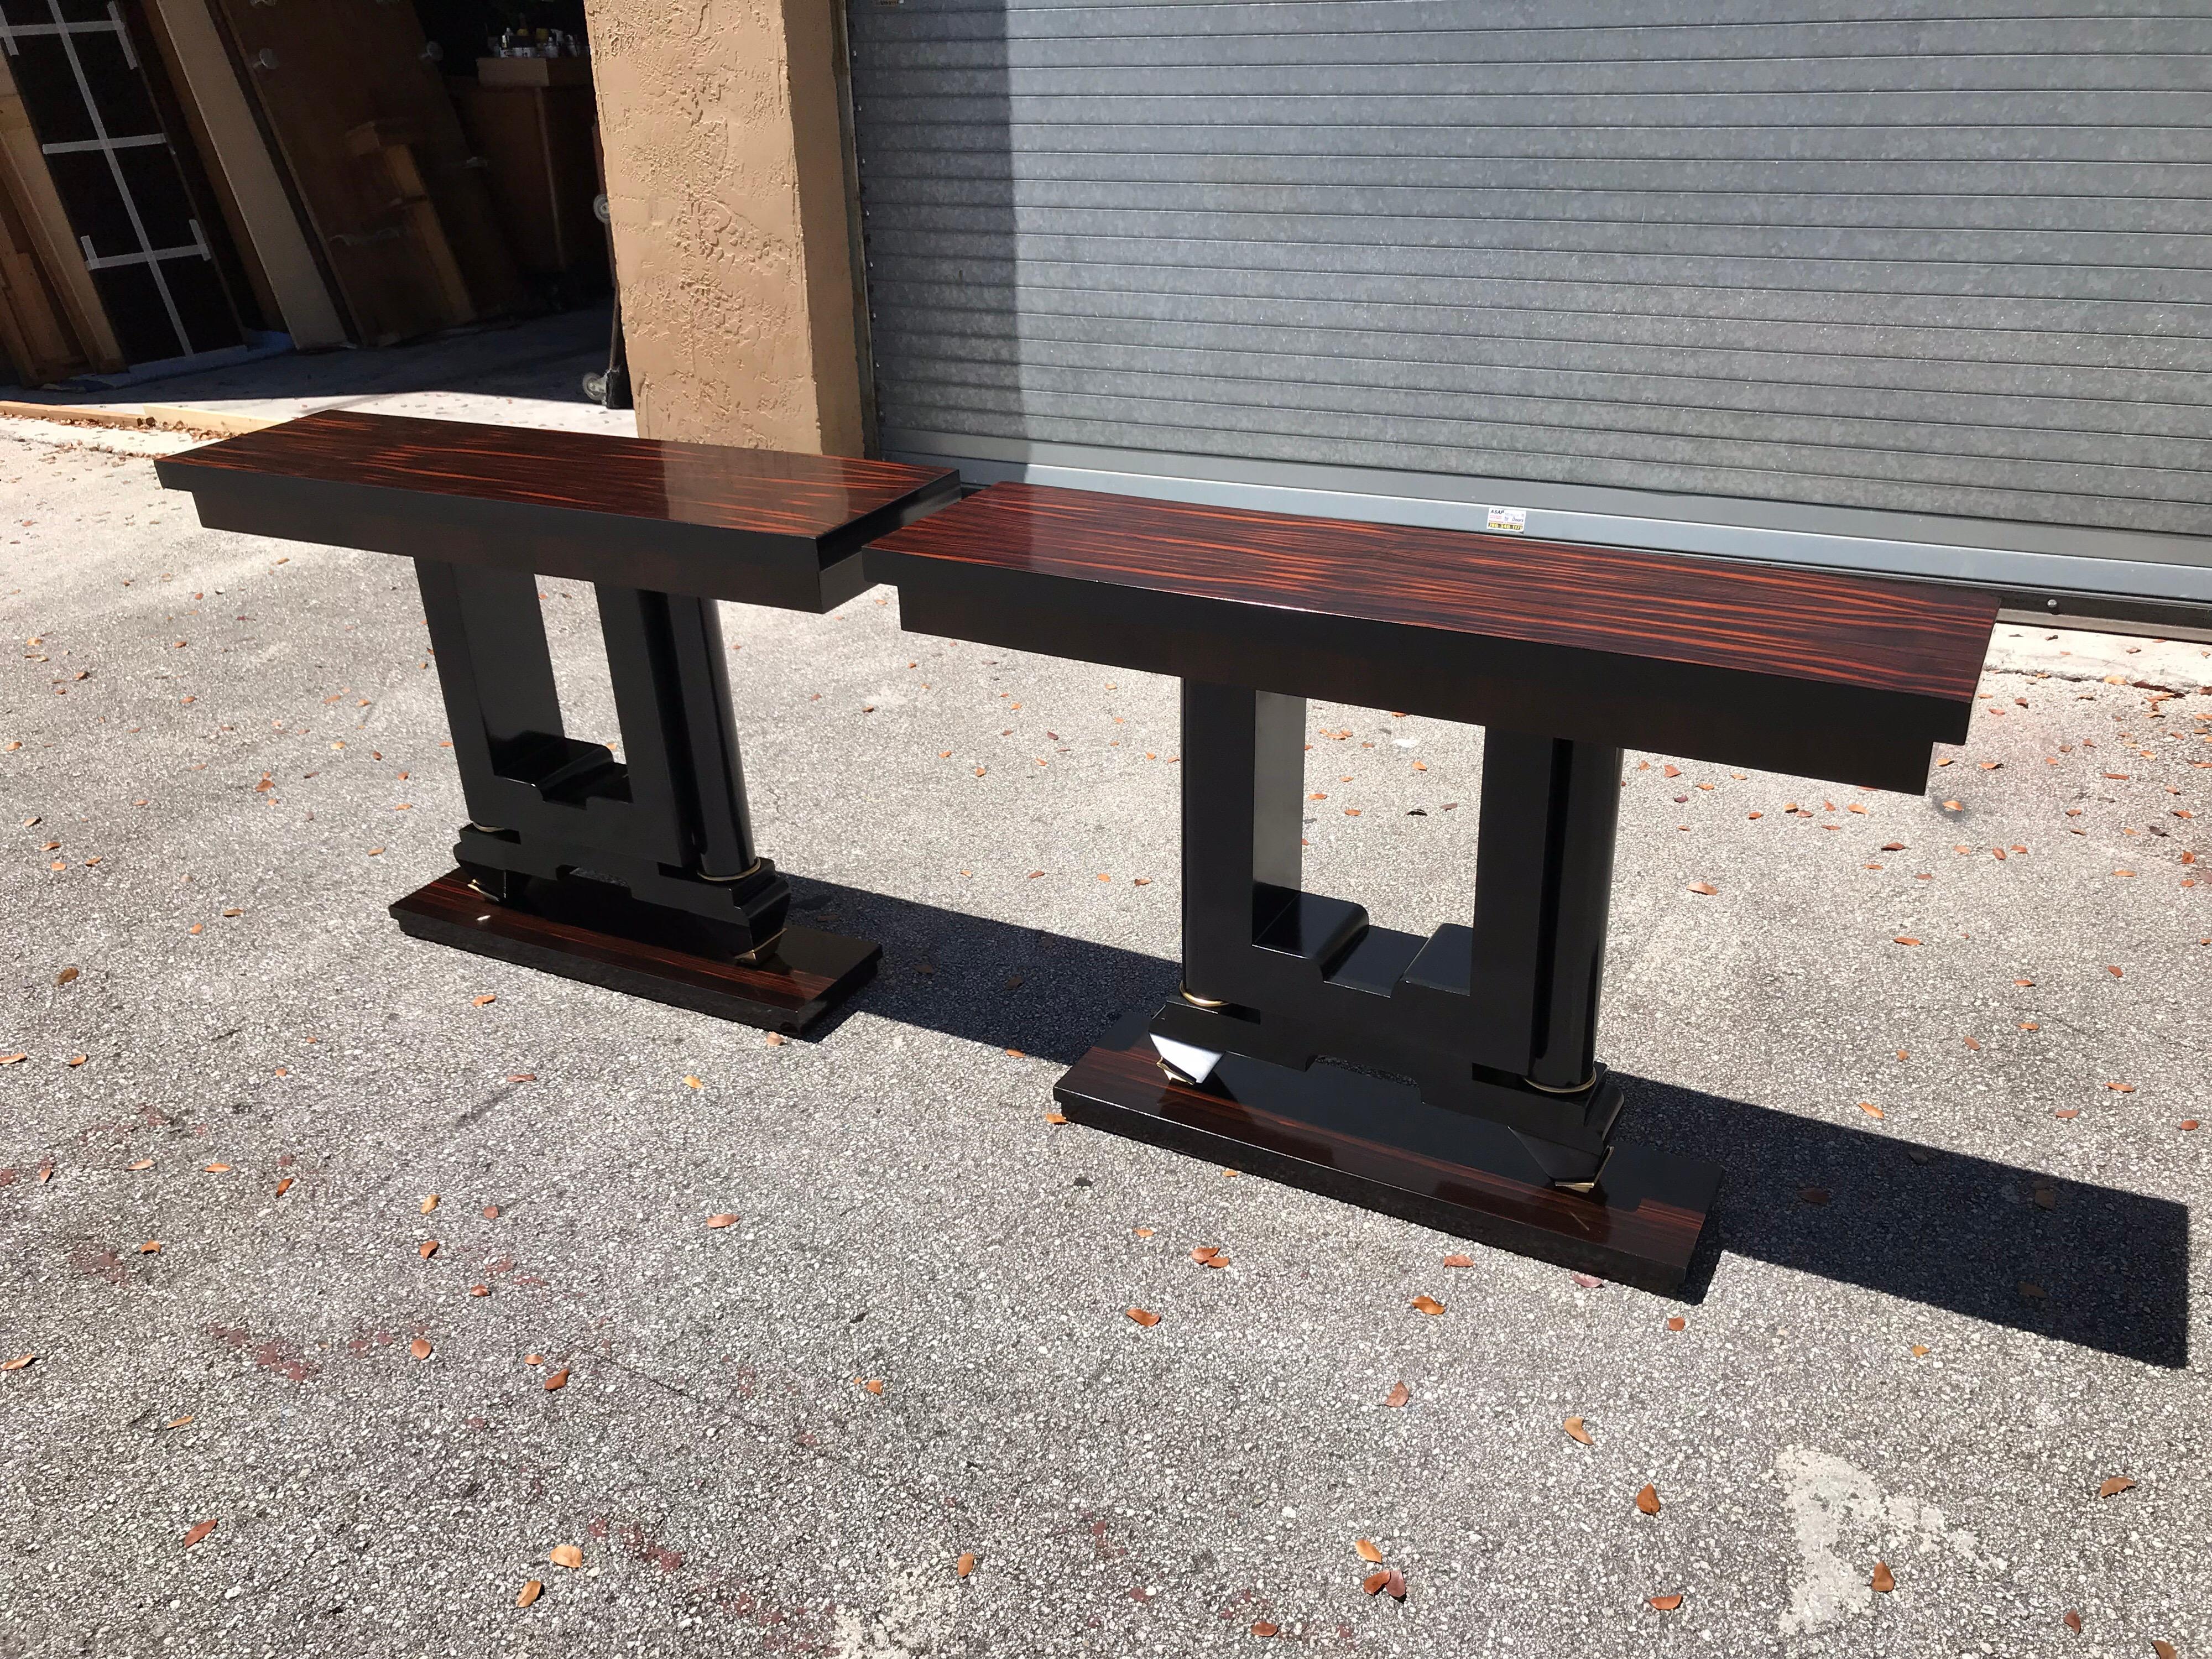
<point>639,873</point>
<point>1566,654</point>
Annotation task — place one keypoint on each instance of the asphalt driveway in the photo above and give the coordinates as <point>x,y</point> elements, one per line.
<point>1957,1292</point>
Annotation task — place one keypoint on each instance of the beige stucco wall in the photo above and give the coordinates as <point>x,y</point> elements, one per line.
<point>726,177</point>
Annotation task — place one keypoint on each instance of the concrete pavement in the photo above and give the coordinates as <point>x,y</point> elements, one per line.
<point>1927,1338</point>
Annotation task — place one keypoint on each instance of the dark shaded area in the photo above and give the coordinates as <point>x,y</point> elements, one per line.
<point>946,971</point>
<point>1954,1231</point>
<point>1961,1233</point>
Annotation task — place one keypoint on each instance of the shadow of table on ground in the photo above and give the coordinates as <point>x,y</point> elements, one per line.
<point>2096,1265</point>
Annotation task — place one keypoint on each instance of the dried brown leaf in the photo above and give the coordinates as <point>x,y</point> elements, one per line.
<point>1676,1322</point>
<point>1394,1581</point>
<point>965,1564</point>
<point>1870,1108</point>
<point>420,1347</point>
<point>873,1385</point>
<point>1374,1582</point>
<point>1262,1627</point>
<point>429,1203</point>
<point>1648,1500</point>
<point>1428,1304</point>
<point>1703,887</point>
<point>427,1248</point>
<point>1144,1316</point>
<point>485,1001</point>
<point>2163,1649</point>
<point>1664,1603</point>
<point>530,1592</point>
<point>2114,1486</point>
<point>1367,1551</point>
<point>1399,1394</point>
<point>2072,1621</point>
<point>559,1380</point>
<point>198,1530</point>
<point>1884,1580</point>
<point>1579,1430</point>
<point>142,1164</point>
<point>726,1219</point>
<point>565,1555</point>
<point>1458,1261</point>
<point>284,1186</point>
<point>18,1362</point>
<point>151,1247</point>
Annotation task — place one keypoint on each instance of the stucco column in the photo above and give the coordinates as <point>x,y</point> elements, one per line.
<point>726,177</point>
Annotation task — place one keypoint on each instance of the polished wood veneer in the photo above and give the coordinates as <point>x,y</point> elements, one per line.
<point>1375,1144</point>
<point>1838,675</point>
<point>757,526</point>
<point>606,939</point>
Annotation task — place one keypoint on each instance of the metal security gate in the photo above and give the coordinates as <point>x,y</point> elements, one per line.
<point>1918,285</point>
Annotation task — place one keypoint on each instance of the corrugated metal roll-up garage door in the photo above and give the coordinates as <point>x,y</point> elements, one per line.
<point>1909,284</point>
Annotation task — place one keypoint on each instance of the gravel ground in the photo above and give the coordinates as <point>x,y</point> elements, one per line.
<point>1953,1293</point>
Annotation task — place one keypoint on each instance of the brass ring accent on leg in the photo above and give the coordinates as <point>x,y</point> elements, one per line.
<point>1198,1001</point>
<point>1556,1089</point>
<point>749,869</point>
<point>486,828</point>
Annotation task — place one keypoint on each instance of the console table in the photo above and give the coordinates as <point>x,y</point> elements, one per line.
<point>638,873</point>
<point>1566,654</point>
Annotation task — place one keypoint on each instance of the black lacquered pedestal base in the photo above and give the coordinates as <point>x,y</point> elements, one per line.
<point>1377,1144</point>
<point>587,931</point>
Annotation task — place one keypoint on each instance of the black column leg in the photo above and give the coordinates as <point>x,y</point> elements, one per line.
<point>717,779</point>
<point>1585,811</point>
<point>1503,1129</point>
<point>1243,771</point>
<point>1543,881</point>
<point>488,639</point>
<point>638,873</point>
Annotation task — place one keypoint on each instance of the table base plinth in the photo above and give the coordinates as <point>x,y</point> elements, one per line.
<point>588,930</point>
<point>1377,1145</point>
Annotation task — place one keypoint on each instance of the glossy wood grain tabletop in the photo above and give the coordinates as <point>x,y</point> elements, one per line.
<point>759,491</point>
<point>1892,636</point>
